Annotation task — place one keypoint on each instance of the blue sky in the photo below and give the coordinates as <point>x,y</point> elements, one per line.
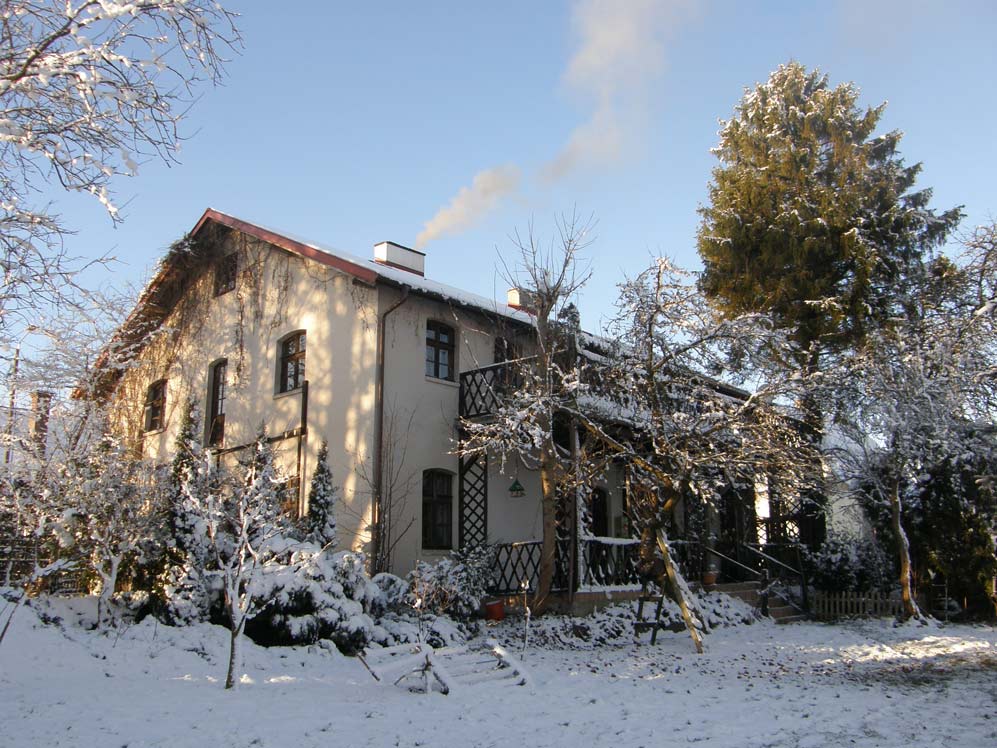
<point>354,123</point>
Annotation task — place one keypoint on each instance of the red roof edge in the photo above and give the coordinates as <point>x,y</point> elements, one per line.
<point>368,275</point>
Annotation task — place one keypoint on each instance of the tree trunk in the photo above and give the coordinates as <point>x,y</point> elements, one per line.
<point>548,549</point>
<point>910,607</point>
<point>678,590</point>
<point>108,583</point>
<point>233,656</point>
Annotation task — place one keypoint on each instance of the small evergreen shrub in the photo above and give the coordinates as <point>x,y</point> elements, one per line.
<point>845,563</point>
<point>453,586</point>
<point>317,595</point>
<point>323,496</point>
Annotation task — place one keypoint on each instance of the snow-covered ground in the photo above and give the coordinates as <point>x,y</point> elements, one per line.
<point>860,684</point>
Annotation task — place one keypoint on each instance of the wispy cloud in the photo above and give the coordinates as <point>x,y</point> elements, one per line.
<point>472,204</point>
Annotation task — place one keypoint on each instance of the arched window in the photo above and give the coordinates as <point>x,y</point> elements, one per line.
<point>439,351</point>
<point>155,406</point>
<point>291,373</point>
<point>437,509</point>
<point>217,381</point>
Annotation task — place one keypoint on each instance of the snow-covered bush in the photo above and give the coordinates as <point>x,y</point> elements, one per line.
<point>394,590</point>
<point>846,563</point>
<point>188,594</point>
<point>106,520</point>
<point>455,585</point>
<point>316,595</point>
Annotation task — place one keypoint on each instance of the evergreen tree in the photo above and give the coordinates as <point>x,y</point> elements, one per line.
<point>184,470</point>
<point>812,218</point>
<point>322,497</point>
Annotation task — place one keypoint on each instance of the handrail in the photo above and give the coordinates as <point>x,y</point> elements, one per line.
<point>775,561</point>
<point>730,560</point>
<point>805,597</point>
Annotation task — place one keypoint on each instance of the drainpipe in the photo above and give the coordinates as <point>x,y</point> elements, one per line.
<point>379,424</point>
<point>302,436</point>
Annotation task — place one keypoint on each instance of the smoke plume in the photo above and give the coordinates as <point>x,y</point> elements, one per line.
<point>472,203</point>
<point>620,54</point>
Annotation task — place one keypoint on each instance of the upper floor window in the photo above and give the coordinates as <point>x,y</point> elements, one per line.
<point>155,406</point>
<point>439,351</point>
<point>226,272</point>
<point>292,362</point>
<point>216,404</point>
<point>505,350</point>
<point>437,509</point>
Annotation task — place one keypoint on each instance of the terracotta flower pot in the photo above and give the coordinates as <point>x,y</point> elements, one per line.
<point>710,578</point>
<point>494,610</point>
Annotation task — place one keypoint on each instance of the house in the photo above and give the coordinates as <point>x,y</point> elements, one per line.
<point>256,327</point>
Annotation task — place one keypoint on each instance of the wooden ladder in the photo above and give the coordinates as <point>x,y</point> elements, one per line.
<point>646,597</point>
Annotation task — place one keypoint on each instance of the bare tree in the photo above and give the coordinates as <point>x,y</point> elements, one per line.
<point>107,517</point>
<point>388,525</point>
<point>243,525</point>
<point>921,390</point>
<point>549,276</point>
<point>684,434</point>
<point>88,90</point>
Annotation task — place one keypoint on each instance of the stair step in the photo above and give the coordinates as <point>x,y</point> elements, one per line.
<point>729,587</point>
<point>791,619</point>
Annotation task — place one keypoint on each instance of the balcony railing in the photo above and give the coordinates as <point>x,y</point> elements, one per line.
<point>604,563</point>
<point>482,390</point>
<point>609,562</point>
<point>518,565</point>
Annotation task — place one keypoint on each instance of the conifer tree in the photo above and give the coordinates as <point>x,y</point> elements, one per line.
<point>322,497</point>
<point>812,218</point>
<point>184,470</point>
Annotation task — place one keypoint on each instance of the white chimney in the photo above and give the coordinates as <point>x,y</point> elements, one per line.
<point>521,299</point>
<point>403,258</point>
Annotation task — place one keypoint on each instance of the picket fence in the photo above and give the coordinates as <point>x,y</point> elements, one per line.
<point>827,606</point>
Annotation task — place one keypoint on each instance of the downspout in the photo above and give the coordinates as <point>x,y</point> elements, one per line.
<point>302,436</point>
<point>379,425</point>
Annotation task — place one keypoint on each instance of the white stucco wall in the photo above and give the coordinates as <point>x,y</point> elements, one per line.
<point>277,293</point>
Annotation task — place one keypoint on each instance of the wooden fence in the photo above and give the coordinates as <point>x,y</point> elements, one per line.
<point>827,606</point>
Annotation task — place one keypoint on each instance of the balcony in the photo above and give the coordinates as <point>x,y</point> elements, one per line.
<point>482,390</point>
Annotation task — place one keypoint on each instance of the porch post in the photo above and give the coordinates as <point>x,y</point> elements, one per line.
<point>574,565</point>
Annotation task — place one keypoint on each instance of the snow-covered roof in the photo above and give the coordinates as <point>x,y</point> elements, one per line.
<point>160,294</point>
<point>365,269</point>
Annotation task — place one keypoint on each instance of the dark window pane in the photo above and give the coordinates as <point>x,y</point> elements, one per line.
<point>437,508</point>
<point>292,362</point>
<point>155,406</point>
<point>226,272</point>
<point>439,350</point>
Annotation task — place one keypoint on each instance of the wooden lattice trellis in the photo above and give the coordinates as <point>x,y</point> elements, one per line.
<point>473,501</point>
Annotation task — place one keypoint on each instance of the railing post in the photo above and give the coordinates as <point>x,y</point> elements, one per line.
<point>804,596</point>
<point>763,592</point>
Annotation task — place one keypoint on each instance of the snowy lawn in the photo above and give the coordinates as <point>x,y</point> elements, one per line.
<point>862,684</point>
